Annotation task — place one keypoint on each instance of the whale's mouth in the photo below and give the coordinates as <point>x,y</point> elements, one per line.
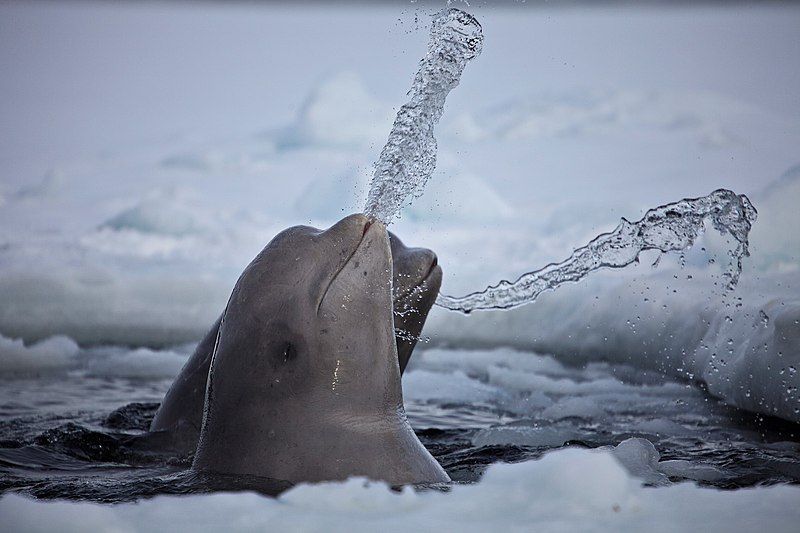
<point>369,223</point>
<point>422,283</point>
<point>431,269</point>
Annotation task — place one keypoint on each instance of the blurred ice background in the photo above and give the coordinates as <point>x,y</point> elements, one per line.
<point>149,151</point>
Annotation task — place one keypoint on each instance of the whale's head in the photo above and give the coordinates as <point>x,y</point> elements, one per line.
<point>304,383</point>
<point>416,281</point>
<point>311,316</point>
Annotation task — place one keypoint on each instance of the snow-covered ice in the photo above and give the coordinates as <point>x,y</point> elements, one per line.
<point>566,490</point>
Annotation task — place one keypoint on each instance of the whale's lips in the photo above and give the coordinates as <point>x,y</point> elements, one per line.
<point>420,283</point>
<point>434,264</point>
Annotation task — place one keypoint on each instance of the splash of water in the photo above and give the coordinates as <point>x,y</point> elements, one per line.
<point>668,228</point>
<point>409,157</point>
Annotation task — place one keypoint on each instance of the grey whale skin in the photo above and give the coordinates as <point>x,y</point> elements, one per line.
<point>416,279</point>
<point>304,383</point>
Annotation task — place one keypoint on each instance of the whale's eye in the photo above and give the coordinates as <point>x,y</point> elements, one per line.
<point>289,352</point>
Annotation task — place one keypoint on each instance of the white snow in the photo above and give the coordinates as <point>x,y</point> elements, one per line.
<point>139,363</point>
<point>424,385</point>
<point>52,354</point>
<point>339,112</point>
<point>60,354</point>
<point>566,490</point>
<point>744,358</point>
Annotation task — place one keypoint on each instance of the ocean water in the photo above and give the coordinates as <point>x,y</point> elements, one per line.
<point>77,434</point>
<point>64,430</point>
<point>138,178</point>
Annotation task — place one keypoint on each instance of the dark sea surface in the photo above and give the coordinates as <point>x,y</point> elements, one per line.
<point>76,437</point>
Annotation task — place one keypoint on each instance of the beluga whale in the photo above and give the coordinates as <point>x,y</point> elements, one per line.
<point>304,382</point>
<point>416,280</point>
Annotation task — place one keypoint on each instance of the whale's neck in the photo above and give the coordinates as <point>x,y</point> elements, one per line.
<point>316,439</point>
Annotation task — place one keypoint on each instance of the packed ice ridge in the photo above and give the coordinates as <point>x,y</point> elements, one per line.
<point>566,490</point>
<point>668,228</point>
<point>409,156</point>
